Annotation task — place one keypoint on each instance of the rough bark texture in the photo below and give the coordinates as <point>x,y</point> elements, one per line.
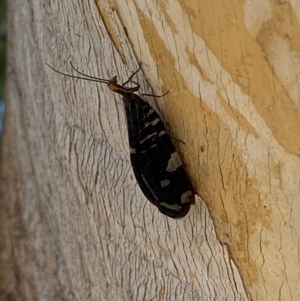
<point>74,224</point>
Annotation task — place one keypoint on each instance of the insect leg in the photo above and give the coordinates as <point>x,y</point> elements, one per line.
<point>144,94</point>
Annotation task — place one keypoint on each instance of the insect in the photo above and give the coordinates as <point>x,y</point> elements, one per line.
<point>156,164</point>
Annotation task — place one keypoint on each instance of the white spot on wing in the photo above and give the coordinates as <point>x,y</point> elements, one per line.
<point>172,207</point>
<point>146,124</point>
<point>155,121</point>
<point>162,133</point>
<point>148,137</point>
<point>164,183</point>
<point>150,112</point>
<point>174,162</point>
<point>185,197</point>
<point>132,150</point>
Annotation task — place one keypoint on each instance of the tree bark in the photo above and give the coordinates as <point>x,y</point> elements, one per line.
<point>75,225</point>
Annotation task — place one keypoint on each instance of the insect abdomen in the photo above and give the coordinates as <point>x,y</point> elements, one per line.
<point>156,164</point>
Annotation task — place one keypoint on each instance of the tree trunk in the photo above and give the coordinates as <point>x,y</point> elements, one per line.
<point>74,223</point>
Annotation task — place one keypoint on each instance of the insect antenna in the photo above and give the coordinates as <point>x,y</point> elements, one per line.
<point>92,77</point>
<point>87,77</point>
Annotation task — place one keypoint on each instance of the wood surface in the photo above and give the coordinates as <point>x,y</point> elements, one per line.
<point>74,223</point>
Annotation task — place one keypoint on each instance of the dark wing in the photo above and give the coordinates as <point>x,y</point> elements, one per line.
<point>156,164</point>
